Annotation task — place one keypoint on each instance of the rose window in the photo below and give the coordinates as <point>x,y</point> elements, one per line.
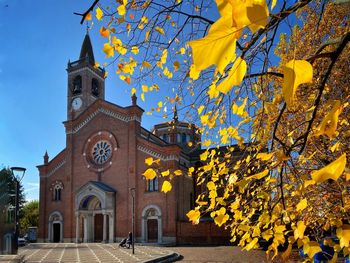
<point>101,152</point>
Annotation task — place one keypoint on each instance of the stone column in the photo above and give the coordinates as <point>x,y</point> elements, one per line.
<point>92,228</point>
<point>77,228</point>
<point>49,237</point>
<point>85,229</point>
<point>111,229</point>
<point>104,228</point>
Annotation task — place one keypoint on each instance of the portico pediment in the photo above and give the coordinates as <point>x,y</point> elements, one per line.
<point>97,191</point>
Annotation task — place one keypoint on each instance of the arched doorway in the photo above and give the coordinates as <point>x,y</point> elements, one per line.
<point>95,203</point>
<point>55,227</point>
<point>152,224</point>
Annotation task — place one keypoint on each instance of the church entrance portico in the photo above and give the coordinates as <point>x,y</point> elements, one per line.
<point>95,213</point>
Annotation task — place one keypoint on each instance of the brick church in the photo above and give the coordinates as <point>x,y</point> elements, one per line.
<point>86,190</point>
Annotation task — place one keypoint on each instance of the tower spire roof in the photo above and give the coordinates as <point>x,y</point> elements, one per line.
<point>86,50</point>
<point>176,117</point>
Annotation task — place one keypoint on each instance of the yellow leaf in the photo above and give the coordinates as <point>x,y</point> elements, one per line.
<point>200,109</point>
<point>264,156</point>
<point>133,91</point>
<point>253,14</point>
<point>273,4</point>
<point>235,76</point>
<point>343,233</point>
<point>267,235</point>
<point>217,48</point>
<point>142,96</point>
<point>328,126</point>
<point>299,231</point>
<point>147,36</point>
<point>164,56</point>
<point>221,217</point>
<point>104,32</point>
<point>203,156</point>
<point>167,73</point>
<point>193,216</point>
<point>166,187</point>
<point>178,172</point>
<point>149,161</point>
<point>258,176</point>
<point>176,65</point>
<point>211,186</point>
<point>213,91</point>
<point>150,174</point>
<point>251,244</point>
<point>194,73</point>
<point>146,64</point>
<point>99,13</point>
<point>88,16</point>
<point>121,10</point>
<point>144,88</point>
<point>118,45</point>
<point>295,72</point>
<point>108,50</point>
<point>181,51</point>
<point>159,30</point>
<point>311,248</point>
<point>135,50</point>
<point>239,110</point>
<point>335,147</point>
<point>165,173</point>
<point>331,171</point>
<point>302,205</point>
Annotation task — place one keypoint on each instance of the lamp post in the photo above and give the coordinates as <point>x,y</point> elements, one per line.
<point>18,173</point>
<point>132,191</point>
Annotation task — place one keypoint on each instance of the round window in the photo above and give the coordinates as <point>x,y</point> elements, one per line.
<point>101,152</point>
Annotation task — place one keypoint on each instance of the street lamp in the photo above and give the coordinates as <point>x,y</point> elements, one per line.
<point>18,173</point>
<point>132,191</point>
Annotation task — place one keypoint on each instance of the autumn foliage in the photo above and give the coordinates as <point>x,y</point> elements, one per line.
<point>269,76</point>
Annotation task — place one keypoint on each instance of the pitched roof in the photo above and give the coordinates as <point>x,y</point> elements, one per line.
<point>104,187</point>
<point>86,50</point>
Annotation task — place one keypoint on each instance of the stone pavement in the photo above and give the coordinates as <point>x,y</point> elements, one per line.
<point>219,254</point>
<point>89,252</point>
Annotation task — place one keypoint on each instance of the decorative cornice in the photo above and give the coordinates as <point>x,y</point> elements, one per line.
<point>90,70</point>
<point>110,113</point>
<point>58,166</point>
<point>154,154</point>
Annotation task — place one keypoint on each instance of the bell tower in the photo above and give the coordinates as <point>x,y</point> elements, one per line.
<point>86,82</point>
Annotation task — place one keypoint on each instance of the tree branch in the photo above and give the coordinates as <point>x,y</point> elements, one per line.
<point>87,11</point>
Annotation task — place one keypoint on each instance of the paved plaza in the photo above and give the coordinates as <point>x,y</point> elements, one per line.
<point>89,252</point>
<point>98,252</point>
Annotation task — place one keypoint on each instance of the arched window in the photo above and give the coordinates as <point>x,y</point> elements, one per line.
<point>152,185</point>
<point>178,137</point>
<point>77,85</point>
<point>183,138</point>
<point>94,87</point>
<point>57,194</point>
<point>166,137</point>
<point>57,191</point>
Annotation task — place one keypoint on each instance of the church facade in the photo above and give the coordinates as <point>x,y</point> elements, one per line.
<point>87,190</point>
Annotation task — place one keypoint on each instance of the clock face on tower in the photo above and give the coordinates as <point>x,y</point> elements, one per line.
<point>77,103</point>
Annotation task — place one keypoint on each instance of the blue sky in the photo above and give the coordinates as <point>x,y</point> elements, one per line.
<point>37,38</point>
